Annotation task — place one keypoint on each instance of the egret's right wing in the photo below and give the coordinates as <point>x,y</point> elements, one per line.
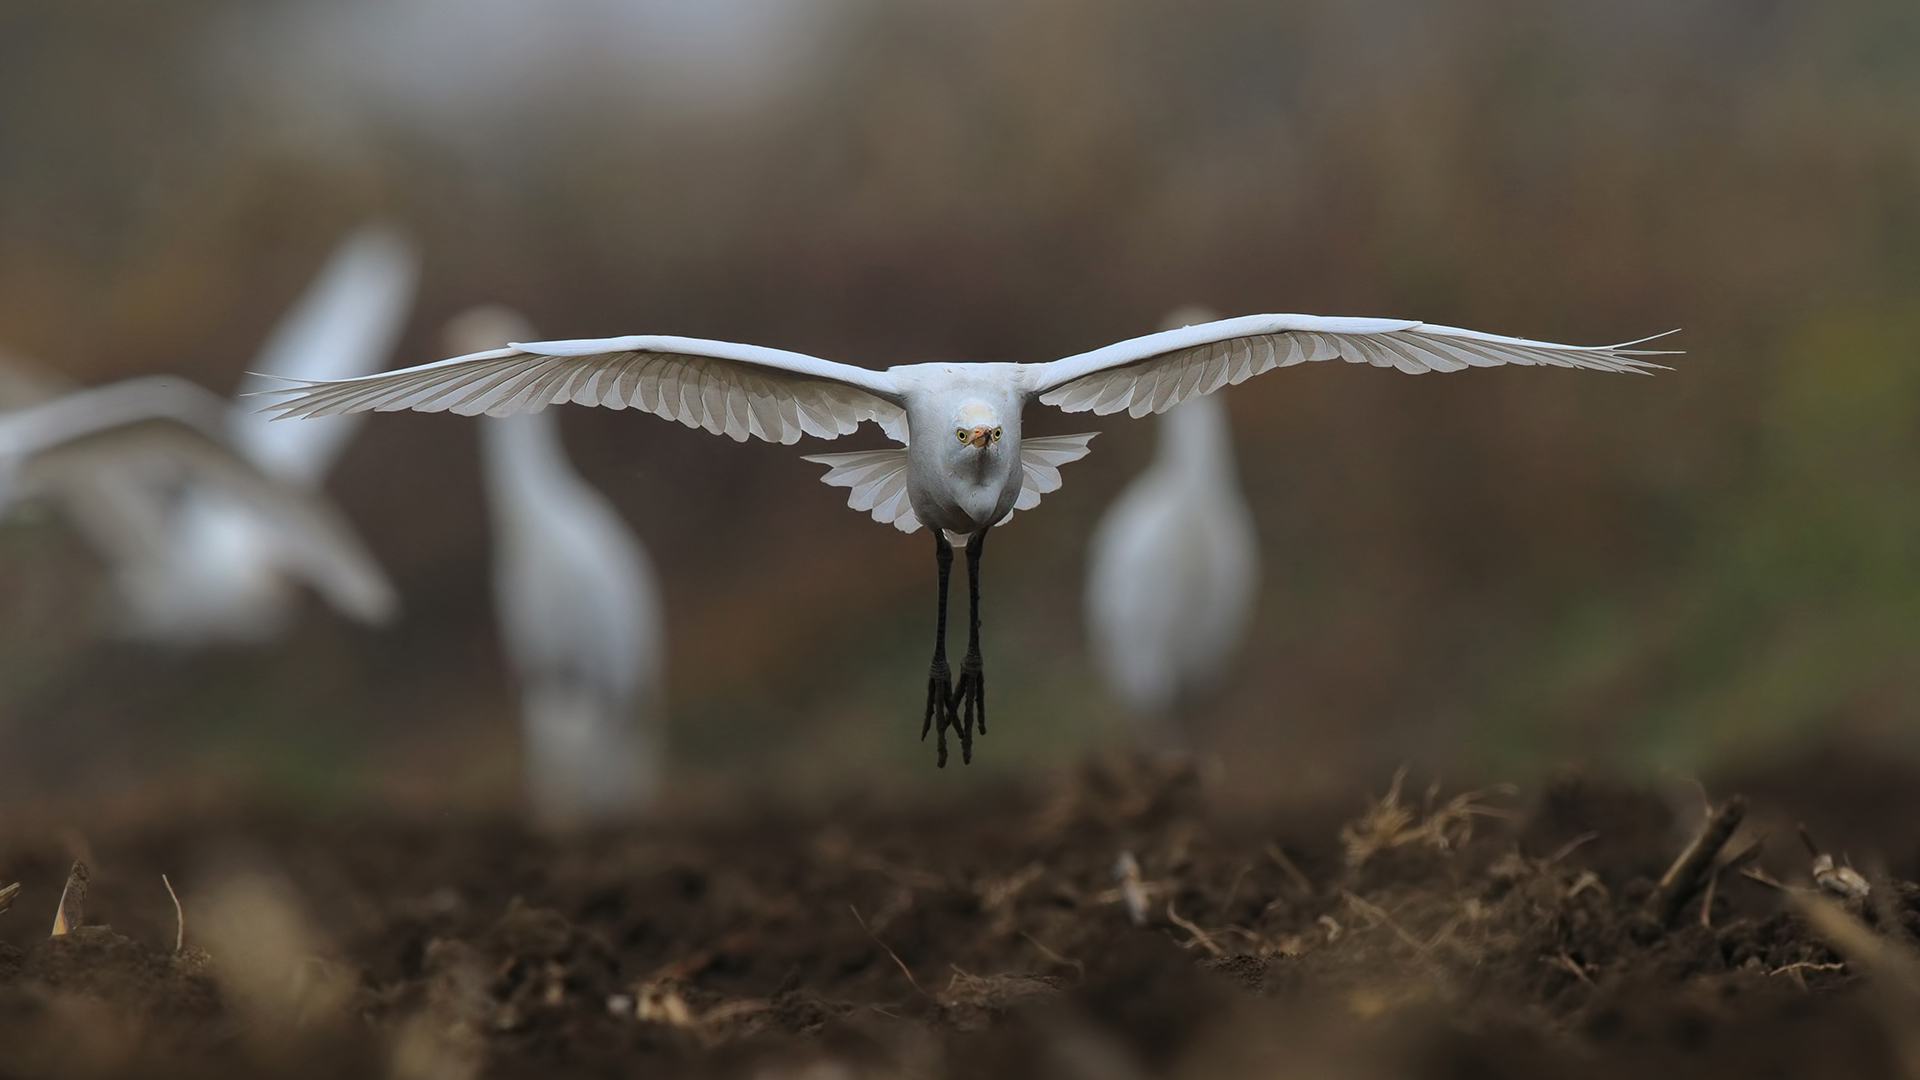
<point>728,389</point>
<point>343,326</point>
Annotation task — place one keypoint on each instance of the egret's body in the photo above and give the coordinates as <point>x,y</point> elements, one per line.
<point>580,616</point>
<point>962,466</point>
<point>1172,571</point>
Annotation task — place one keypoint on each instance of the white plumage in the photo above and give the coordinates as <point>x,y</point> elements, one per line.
<point>221,576</point>
<point>580,615</point>
<point>111,455</point>
<point>1173,567</point>
<point>1173,570</point>
<point>960,462</point>
<point>345,325</point>
<point>204,563</point>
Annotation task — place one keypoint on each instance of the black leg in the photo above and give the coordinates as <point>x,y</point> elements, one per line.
<point>939,679</point>
<point>971,693</point>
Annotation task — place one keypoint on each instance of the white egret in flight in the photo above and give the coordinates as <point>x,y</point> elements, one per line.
<point>98,450</point>
<point>579,612</point>
<point>1173,567</point>
<point>962,466</point>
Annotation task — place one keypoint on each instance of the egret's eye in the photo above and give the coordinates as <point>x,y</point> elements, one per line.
<point>996,434</point>
<point>960,433</point>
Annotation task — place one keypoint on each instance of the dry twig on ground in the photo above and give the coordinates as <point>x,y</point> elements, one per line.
<point>1388,824</point>
<point>1690,873</point>
<point>1892,967</point>
<point>73,900</point>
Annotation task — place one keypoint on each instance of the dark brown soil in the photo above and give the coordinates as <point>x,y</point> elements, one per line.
<point>1431,933</point>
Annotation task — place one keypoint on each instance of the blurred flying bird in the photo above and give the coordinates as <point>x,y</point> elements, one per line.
<point>223,576</point>
<point>1173,568</point>
<point>962,466</point>
<point>579,612</point>
<point>110,452</point>
<point>199,563</point>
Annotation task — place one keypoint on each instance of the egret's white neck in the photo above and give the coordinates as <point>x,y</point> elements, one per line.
<point>1195,440</point>
<point>524,453</point>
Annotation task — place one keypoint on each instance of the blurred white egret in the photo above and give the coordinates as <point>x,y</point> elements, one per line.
<point>579,612</point>
<point>222,576</point>
<point>965,468</point>
<point>1173,567</point>
<point>110,453</point>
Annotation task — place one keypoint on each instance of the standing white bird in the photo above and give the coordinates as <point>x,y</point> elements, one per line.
<point>962,467</point>
<point>579,611</point>
<point>1173,568</point>
<point>149,434</point>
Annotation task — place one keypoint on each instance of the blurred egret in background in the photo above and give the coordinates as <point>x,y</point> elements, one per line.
<point>579,611</point>
<point>110,454</point>
<point>961,466</point>
<point>1173,568</point>
<point>221,575</point>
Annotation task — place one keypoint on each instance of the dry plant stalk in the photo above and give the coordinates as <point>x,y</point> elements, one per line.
<point>904,970</point>
<point>1287,867</point>
<point>179,916</point>
<point>1892,967</point>
<point>269,955</point>
<point>1689,873</point>
<point>7,894</point>
<point>73,901</point>
<point>1133,894</point>
<point>1200,937</point>
<point>1387,824</point>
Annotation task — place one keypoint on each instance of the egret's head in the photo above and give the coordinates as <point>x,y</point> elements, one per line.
<point>976,425</point>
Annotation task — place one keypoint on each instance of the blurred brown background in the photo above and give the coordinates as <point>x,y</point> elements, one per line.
<point>1489,572</point>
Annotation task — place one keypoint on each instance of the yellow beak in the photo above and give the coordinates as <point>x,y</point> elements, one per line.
<point>981,436</point>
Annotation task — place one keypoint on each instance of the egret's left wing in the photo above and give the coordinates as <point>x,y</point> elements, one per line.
<point>1151,374</point>
<point>1040,461</point>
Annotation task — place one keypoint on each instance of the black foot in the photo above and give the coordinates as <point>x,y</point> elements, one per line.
<point>940,711</point>
<point>970,703</point>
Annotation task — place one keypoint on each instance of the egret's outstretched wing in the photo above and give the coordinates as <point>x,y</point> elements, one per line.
<point>158,433</point>
<point>343,326</point>
<point>879,482</point>
<point>1155,372</point>
<point>728,389</point>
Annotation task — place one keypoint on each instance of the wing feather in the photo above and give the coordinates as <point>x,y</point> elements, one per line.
<point>1040,461</point>
<point>741,391</point>
<point>1151,374</point>
<point>878,479</point>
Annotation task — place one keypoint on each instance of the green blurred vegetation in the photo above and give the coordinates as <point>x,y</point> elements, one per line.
<point>1496,571</point>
